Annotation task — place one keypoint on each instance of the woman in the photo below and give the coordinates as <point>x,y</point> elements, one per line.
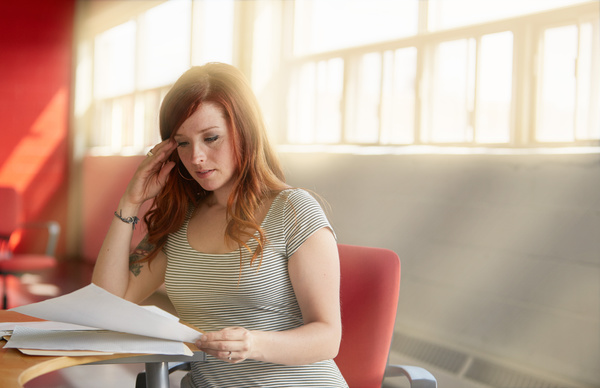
<point>244,257</point>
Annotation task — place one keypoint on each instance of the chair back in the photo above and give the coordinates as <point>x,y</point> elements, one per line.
<point>370,285</point>
<point>9,211</point>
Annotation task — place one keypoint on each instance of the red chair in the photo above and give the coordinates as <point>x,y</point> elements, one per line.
<point>370,285</point>
<point>18,264</point>
<point>369,290</point>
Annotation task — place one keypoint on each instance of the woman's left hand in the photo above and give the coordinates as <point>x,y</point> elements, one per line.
<point>232,344</point>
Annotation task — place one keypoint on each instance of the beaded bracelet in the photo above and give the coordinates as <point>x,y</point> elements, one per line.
<point>128,220</point>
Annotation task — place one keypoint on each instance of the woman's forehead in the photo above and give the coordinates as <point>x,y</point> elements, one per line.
<point>209,115</point>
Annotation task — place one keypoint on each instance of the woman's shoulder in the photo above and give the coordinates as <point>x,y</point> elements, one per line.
<point>297,200</point>
<point>294,194</point>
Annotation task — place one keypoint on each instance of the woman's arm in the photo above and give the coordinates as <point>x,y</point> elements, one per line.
<point>141,278</point>
<point>113,270</point>
<point>315,274</point>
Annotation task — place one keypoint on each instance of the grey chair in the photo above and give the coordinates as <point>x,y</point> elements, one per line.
<point>16,264</point>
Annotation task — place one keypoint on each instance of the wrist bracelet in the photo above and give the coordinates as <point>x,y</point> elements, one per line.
<point>128,220</point>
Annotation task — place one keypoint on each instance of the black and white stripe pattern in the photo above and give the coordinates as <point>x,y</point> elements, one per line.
<point>205,291</point>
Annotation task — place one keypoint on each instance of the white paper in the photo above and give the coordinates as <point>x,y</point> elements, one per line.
<point>63,353</point>
<point>95,307</point>
<point>101,341</point>
<point>8,327</point>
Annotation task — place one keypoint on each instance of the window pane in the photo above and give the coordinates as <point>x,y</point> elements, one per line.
<point>449,115</point>
<point>557,89</point>
<point>588,83</point>
<point>301,118</point>
<point>213,31</point>
<point>494,88</point>
<point>164,43</point>
<point>114,61</point>
<point>139,112</point>
<point>330,85</point>
<point>315,102</point>
<point>122,123</point>
<point>113,120</point>
<point>398,101</point>
<point>362,124</point>
<point>100,129</point>
<point>151,101</point>
<point>333,24</point>
<point>445,14</point>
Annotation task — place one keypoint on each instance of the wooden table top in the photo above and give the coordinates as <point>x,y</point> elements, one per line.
<point>16,368</point>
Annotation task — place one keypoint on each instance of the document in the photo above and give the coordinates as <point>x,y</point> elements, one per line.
<point>7,328</point>
<point>95,307</point>
<point>107,342</point>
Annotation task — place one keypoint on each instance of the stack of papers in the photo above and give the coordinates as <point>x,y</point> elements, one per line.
<point>92,320</point>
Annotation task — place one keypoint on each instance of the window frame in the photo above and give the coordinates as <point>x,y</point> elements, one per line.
<point>525,29</point>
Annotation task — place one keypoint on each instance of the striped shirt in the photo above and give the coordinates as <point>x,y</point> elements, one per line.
<point>205,291</point>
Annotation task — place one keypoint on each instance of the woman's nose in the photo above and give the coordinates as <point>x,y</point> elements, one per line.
<point>199,155</point>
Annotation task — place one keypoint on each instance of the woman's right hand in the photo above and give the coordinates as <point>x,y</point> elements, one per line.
<point>151,175</point>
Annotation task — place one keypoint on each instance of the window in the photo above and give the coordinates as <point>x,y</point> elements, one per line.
<point>115,61</point>
<point>363,113</point>
<point>451,93</point>
<point>444,15</point>
<point>318,95</point>
<point>136,62</point>
<point>335,24</point>
<point>398,100</point>
<point>568,86</point>
<point>470,97</point>
<point>377,72</point>
<point>494,88</point>
<point>507,74</point>
<point>164,44</point>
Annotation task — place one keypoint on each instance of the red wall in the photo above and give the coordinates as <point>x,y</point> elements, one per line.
<point>35,85</point>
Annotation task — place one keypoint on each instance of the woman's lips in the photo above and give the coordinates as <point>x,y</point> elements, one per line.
<point>204,173</point>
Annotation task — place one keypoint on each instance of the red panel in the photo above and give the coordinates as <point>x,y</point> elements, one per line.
<point>35,83</point>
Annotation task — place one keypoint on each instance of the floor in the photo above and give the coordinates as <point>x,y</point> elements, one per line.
<point>71,276</point>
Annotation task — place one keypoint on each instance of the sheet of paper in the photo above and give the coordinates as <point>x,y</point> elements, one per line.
<point>101,341</point>
<point>64,353</point>
<point>8,327</point>
<point>95,307</point>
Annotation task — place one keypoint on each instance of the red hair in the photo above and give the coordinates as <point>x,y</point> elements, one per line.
<point>258,172</point>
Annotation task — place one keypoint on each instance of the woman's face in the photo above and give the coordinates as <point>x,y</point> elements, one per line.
<point>205,148</point>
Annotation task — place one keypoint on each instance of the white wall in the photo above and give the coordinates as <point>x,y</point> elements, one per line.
<point>500,253</point>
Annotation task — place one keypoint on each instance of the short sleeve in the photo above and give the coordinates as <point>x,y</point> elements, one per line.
<point>303,216</point>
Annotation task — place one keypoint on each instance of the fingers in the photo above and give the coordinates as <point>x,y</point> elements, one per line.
<point>157,157</point>
<point>160,153</point>
<point>164,171</point>
<point>152,174</point>
<point>162,150</point>
<point>231,344</point>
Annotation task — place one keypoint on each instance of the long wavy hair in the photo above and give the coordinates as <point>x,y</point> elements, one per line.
<point>258,174</point>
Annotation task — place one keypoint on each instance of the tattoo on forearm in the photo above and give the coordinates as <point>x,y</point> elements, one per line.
<point>142,250</point>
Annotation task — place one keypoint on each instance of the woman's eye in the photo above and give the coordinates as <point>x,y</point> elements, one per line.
<point>182,143</point>
<point>211,139</point>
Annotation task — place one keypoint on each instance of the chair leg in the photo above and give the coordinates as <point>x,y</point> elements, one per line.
<point>157,375</point>
<point>140,381</point>
<point>4,292</point>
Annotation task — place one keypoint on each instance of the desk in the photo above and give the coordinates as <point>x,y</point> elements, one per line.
<point>16,368</point>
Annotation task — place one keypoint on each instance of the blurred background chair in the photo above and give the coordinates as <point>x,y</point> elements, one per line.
<point>17,264</point>
<point>369,291</point>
